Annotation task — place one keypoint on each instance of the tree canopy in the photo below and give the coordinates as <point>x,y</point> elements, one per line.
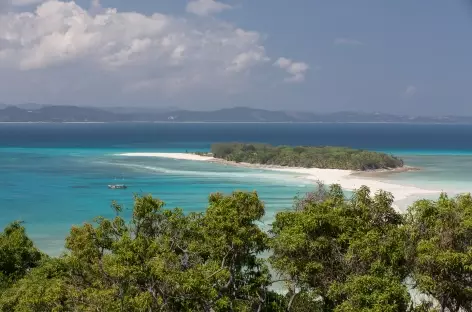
<point>161,260</point>
<point>305,156</point>
<point>333,254</point>
<point>441,250</point>
<point>17,254</point>
<point>348,254</point>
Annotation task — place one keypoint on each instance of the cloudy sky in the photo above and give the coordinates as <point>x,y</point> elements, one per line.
<point>318,55</point>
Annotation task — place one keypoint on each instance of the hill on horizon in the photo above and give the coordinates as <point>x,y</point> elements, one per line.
<point>63,113</point>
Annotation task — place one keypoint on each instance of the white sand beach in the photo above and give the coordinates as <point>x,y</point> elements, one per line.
<point>346,178</point>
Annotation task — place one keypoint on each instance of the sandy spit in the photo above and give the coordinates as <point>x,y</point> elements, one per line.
<point>349,180</point>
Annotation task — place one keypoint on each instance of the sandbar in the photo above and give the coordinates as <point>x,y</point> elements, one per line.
<point>349,180</point>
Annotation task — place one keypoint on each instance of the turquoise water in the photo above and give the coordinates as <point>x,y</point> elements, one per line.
<point>445,172</point>
<point>55,175</point>
<point>51,189</point>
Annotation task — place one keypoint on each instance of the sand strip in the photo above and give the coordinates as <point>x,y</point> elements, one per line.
<point>349,180</point>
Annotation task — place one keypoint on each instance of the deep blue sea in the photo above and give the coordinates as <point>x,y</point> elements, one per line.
<point>55,175</point>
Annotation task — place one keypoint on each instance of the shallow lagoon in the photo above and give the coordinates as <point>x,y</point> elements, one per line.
<point>56,175</point>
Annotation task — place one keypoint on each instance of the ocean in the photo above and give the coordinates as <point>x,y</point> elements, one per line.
<point>53,176</point>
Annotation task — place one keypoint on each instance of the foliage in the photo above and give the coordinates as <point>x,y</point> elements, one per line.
<point>43,290</point>
<point>162,260</point>
<point>335,254</point>
<point>305,156</point>
<point>17,254</point>
<point>369,293</point>
<point>441,250</point>
<point>327,249</point>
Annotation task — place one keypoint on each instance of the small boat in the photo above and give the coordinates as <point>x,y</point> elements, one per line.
<point>117,186</point>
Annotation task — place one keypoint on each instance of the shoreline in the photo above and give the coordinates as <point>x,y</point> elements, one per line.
<point>348,179</point>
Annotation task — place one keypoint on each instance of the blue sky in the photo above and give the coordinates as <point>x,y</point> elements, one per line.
<point>401,56</point>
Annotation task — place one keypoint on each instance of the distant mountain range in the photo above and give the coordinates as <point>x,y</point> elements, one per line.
<point>44,113</point>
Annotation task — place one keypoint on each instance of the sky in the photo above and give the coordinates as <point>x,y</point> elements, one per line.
<point>402,56</point>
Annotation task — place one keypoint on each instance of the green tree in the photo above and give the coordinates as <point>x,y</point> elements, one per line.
<point>307,248</point>
<point>233,238</point>
<point>18,254</point>
<point>369,293</point>
<point>441,250</point>
<point>43,289</point>
<point>335,255</point>
<point>169,261</point>
<point>305,156</point>
<point>329,247</point>
<point>161,260</point>
<point>375,234</point>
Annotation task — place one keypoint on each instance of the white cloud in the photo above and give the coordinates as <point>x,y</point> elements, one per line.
<point>410,91</point>
<point>248,59</point>
<point>297,70</point>
<point>62,47</point>
<point>347,41</point>
<point>206,7</point>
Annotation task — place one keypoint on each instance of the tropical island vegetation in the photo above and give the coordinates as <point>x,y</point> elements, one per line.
<point>325,157</point>
<point>332,254</point>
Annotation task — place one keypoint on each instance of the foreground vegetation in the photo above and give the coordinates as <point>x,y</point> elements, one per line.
<point>332,254</point>
<point>325,157</point>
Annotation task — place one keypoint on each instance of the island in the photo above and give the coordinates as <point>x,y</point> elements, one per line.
<point>323,157</point>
